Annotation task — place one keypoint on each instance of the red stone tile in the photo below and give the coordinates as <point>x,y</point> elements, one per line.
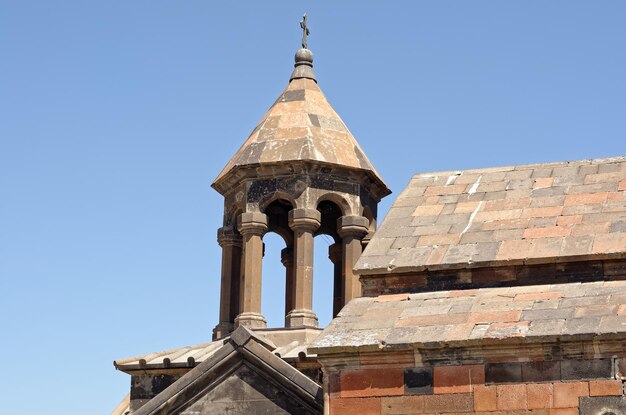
<point>542,212</point>
<point>605,387</point>
<point>539,395</point>
<point>437,254</point>
<point>511,397</point>
<point>566,394</point>
<point>494,316</point>
<point>569,220</point>
<point>543,182</point>
<point>607,243</point>
<point>453,189</point>
<point>371,382</point>
<point>622,185</point>
<point>457,379</point>
<point>538,296</point>
<point>427,210</point>
<point>585,199</point>
<point>432,320</point>
<point>361,406</point>
<point>485,398</point>
<point>466,207</point>
<point>547,232</point>
<point>391,297</point>
<point>507,330</point>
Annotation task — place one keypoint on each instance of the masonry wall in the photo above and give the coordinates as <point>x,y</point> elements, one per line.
<point>497,388</point>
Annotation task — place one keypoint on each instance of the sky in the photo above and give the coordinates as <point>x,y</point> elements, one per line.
<point>116,116</point>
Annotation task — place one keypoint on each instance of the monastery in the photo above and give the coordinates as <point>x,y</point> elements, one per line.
<point>491,291</point>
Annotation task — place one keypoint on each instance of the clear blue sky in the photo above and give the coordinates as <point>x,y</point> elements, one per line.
<point>115,117</point>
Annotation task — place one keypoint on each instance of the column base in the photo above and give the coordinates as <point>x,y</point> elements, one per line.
<point>251,320</point>
<point>222,330</point>
<point>301,318</point>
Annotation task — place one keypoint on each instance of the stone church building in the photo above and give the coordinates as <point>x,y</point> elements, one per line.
<point>491,291</point>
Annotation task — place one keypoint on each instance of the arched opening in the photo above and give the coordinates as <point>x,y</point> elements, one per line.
<point>273,284</point>
<point>323,280</point>
<point>327,284</point>
<point>276,263</point>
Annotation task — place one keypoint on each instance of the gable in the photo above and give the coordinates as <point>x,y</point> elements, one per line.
<point>247,390</point>
<point>242,374</point>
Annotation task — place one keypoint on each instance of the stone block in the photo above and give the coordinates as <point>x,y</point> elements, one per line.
<point>566,394</point>
<point>603,405</point>
<point>457,402</point>
<point>539,395</point>
<point>361,406</point>
<point>457,379</point>
<point>400,405</point>
<point>418,381</point>
<point>485,398</point>
<point>371,382</point>
<point>511,397</point>
<point>605,387</point>
<point>503,372</point>
<point>586,369</point>
<point>541,371</point>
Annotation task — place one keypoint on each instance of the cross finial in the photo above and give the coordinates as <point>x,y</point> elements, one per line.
<point>305,31</point>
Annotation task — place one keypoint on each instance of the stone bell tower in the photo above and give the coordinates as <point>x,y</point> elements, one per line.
<point>299,174</point>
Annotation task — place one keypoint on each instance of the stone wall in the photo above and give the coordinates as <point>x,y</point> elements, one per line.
<point>497,388</point>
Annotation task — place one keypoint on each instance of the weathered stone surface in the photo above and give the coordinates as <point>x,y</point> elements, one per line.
<point>528,314</point>
<point>559,212</point>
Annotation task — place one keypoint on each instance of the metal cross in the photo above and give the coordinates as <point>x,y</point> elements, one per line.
<point>305,31</point>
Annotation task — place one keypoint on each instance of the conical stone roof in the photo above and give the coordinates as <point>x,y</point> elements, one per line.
<point>301,126</point>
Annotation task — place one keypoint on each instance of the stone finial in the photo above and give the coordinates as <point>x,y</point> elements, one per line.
<point>303,67</point>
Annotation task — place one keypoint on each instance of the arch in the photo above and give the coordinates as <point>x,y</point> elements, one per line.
<point>231,215</point>
<point>329,213</point>
<point>277,219</point>
<point>274,196</point>
<point>337,199</point>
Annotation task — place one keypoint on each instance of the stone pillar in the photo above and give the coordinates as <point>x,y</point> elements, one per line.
<point>335,256</point>
<point>304,222</point>
<point>352,230</point>
<point>286,257</point>
<point>252,226</point>
<point>230,241</point>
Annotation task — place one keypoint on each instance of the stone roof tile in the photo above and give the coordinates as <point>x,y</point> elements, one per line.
<point>539,313</point>
<point>530,214</point>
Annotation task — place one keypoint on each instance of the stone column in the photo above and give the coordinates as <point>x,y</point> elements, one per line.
<point>252,226</point>
<point>230,241</point>
<point>304,222</point>
<point>352,230</point>
<point>335,256</point>
<point>286,257</point>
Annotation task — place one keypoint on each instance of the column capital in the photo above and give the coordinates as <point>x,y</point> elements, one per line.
<point>304,219</point>
<point>357,226</point>
<point>254,223</point>
<point>228,236</point>
<point>286,256</point>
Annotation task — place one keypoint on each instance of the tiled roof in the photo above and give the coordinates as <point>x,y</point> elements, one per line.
<point>190,356</point>
<point>540,313</point>
<point>530,214</point>
<point>301,125</point>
